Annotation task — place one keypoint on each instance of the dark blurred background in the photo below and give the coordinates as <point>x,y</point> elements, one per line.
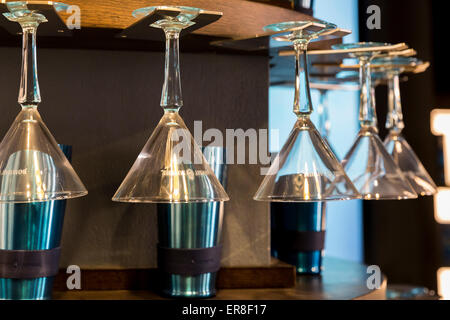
<point>402,237</point>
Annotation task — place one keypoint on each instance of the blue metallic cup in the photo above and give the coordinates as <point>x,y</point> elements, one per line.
<point>298,231</point>
<point>193,226</point>
<point>31,226</point>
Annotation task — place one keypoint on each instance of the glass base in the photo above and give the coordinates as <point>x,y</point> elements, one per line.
<point>26,289</point>
<point>200,286</point>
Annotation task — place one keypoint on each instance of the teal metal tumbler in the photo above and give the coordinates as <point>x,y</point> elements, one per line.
<point>190,227</point>
<point>30,227</point>
<point>298,234</point>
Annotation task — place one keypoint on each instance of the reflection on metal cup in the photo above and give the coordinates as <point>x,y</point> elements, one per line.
<point>298,234</point>
<point>189,240</point>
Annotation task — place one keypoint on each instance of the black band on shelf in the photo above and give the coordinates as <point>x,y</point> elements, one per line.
<point>285,240</point>
<point>24,264</point>
<point>189,262</point>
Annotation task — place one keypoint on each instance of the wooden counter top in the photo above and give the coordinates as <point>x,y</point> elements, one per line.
<point>341,280</point>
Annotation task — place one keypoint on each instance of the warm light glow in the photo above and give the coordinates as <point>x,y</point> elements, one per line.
<point>440,120</point>
<point>442,205</point>
<point>443,275</point>
<point>440,126</point>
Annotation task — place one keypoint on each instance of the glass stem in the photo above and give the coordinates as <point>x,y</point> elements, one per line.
<point>394,121</point>
<point>367,111</point>
<point>324,120</point>
<point>29,94</point>
<point>171,99</point>
<point>302,102</point>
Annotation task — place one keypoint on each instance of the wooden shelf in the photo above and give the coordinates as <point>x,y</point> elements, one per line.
<point>241,18</point>
<point>102,22</point>
<point>276,275</point>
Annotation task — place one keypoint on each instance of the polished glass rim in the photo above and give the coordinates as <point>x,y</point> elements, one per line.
<point>48,196</point>
<point>357,45</point>
<point>296,200</point>
<point>164,200</point>
<point>397,60</point>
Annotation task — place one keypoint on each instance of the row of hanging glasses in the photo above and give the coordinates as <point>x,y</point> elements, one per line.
<point>306,169</point>
<point>33,168</point>
<point>388,70</point>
